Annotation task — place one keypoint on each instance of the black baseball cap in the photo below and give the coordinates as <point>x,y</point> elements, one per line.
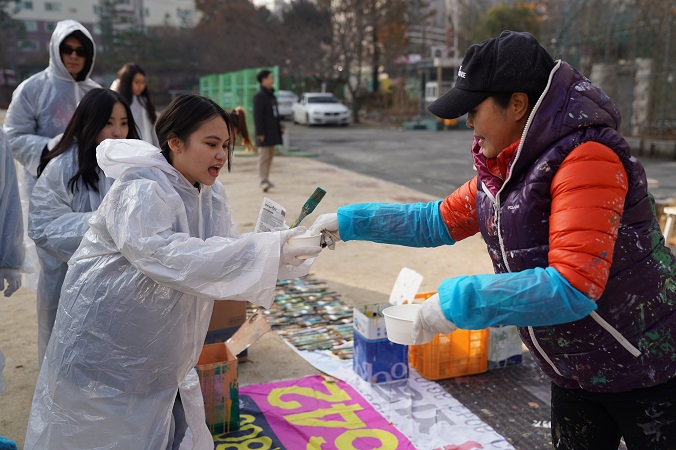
<point>511,62</point>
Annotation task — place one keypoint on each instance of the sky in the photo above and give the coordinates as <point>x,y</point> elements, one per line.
<point>266,3</point>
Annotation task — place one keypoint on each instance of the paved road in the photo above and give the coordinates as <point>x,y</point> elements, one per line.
<point>435,162</point>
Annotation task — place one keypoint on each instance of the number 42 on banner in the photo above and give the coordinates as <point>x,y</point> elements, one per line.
<point>354,426</point>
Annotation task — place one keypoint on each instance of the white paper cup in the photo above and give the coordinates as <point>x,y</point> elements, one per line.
<point>305,240</point>
<point>399,322</point>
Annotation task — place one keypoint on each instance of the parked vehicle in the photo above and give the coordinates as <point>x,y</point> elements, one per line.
<point>316,108</point>
<point>285,101</point>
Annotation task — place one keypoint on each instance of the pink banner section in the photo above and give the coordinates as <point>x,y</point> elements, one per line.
<point>322,414</point>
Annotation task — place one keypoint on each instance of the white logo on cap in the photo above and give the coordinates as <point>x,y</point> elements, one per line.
<point>461,74</point>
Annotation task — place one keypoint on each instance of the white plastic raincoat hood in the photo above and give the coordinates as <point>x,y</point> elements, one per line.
<point>43,104</point>
<point>136,305</point>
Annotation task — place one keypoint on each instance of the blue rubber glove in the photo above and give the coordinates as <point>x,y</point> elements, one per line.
<point>412,225</point>
<point>533,297</point>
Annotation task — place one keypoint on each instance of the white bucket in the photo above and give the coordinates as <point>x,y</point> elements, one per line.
<point>399,322</point>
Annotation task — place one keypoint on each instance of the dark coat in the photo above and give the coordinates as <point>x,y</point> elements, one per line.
<point>266,118</point>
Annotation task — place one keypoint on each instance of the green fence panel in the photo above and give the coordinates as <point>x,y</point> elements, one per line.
<point>232,89</point>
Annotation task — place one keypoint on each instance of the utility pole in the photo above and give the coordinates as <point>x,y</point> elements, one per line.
<point>141,16</point>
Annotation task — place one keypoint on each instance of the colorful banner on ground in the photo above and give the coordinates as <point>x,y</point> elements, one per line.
<point>310,413</point>
<point>430,417</point>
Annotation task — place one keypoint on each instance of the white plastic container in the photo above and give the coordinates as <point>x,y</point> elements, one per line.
<point>305,240</point>
<point>399,322</point>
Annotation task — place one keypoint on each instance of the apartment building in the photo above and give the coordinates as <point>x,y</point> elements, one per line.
<point>39,18</point>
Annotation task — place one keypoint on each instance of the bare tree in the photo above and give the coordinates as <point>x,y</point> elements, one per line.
<point>305,41</point>
<point>351,49</point>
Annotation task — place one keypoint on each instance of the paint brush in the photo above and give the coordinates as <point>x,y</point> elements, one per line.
<point>309,205</point>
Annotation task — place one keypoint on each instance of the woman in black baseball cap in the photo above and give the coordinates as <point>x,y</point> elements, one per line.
<point>580,263</point>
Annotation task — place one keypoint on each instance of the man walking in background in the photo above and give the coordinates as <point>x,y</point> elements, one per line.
<point>268,128</point>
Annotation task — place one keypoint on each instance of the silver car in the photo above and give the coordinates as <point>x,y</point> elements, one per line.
<point>317,108</point>
<point>285,101</point>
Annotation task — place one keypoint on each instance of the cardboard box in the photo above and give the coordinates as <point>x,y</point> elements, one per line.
<point>376,359</point>
<point>504,347</point>
<point>227,317</point>
<point>217,371</point>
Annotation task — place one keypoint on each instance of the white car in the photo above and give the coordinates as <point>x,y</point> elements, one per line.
<point>285,101</point>
<point>316,108</point>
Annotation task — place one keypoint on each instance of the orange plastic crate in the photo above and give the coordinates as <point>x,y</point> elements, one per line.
<point>463,352</point>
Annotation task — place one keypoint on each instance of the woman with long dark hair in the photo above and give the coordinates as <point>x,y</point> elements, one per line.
<point>139,292</point>
<point>131,84</point>
<point>69,189</point>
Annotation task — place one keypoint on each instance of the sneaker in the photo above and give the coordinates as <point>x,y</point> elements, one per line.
<point>266,186</point>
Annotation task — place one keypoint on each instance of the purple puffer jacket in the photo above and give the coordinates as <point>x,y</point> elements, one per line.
<point>630,341</point>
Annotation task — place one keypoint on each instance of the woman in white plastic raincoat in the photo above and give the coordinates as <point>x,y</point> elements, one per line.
<point>131,83</point>
<point>70,187</point>
<point>42,106</point>
<point>137,299</point>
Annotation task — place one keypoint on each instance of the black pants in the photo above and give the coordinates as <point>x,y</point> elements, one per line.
<point>178,425</point>
<point>645,418</point>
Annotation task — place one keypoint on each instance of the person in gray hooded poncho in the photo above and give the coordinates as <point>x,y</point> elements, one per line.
<point>139,291</point>
<point>43,104</point>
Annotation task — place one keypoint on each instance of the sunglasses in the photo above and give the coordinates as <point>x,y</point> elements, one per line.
<point>68,50</point>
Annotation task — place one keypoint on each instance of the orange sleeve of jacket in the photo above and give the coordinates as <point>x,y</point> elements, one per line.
<point>588,193</point>
<point>458,211</point>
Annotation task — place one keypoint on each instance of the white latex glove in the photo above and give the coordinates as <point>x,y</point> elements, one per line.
<point>430,321</point>
<point>13,278</point>
<point>292,255</point>
<point>327,225</point>
<point>292,272</point>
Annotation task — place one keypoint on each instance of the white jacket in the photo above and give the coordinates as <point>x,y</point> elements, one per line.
<point>136,305</point>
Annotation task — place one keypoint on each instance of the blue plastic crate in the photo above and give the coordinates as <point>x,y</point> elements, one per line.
<point>379,361</point>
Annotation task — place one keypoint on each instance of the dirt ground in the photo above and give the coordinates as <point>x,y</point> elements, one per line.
<point>361,272</point>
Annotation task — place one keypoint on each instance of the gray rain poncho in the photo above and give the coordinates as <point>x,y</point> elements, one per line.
<point>41,108</point>
<point>146,128</point>
<point>11,228</point>
<point>136,304</point>
<point>57,221</point>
